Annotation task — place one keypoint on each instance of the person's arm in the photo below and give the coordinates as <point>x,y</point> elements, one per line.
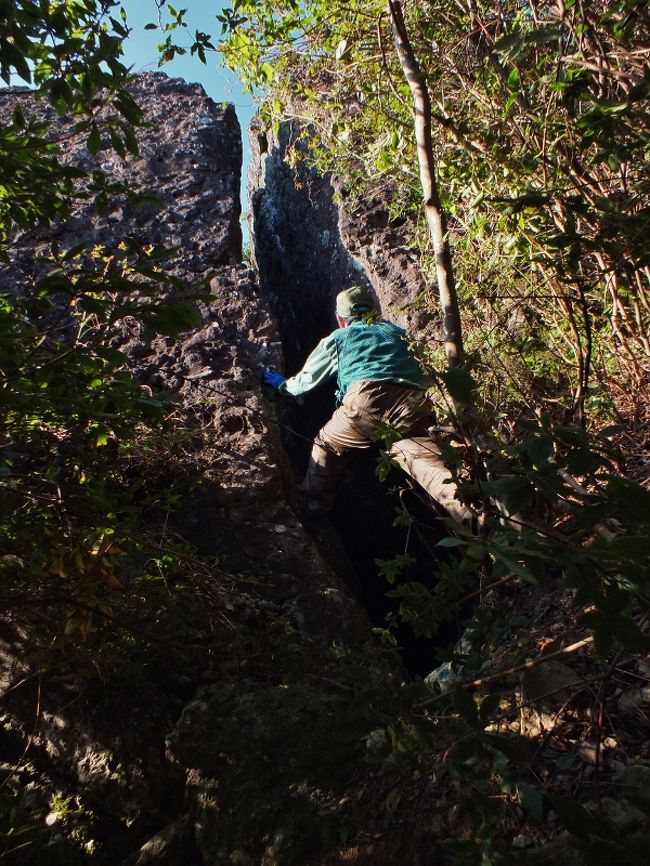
<point>320,366</point>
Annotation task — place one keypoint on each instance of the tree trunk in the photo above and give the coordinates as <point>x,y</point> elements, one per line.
<point>436,219</point>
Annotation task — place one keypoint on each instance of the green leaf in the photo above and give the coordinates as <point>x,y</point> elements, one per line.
<point>460,384</point>
<point>16,59</point>
<point>583,462</point>
<point>510,46</point>
<point>173,317</point>
<point>514,82</point>
<point>515,491</point>
<point>513,748</point>
<point>450,542</point>
<point>74,251</point>
<point>390,569</point>
<point>579,821</point>
<point>61,93</point>
<point>516,567</point>
<point>18,118</point>
<point>642,89</point>
<point>488,705</point>
<point>93,305</point>
<point>117,142</point>
<point>539,449</point>
<point>532,801</point>
<point>467,747</point>
<point>614,161</point>
<point>128,108</point>
<point>545,33</point>
<point>634,498</point>
<point>130,140</point>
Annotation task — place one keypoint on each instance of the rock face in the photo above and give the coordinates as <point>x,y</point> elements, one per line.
<point>293,747</point>
<point>105,744</point>
<point>311,242</point>
<point>189,161</point>
<point>247,489</point>
<point>299,253</point>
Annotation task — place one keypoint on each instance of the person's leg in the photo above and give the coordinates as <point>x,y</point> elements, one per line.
<point>353,425</point>
<point>348,428</point>
<point>417,453</point>
<point>405,410</point>
<point>420,458</point>
<point>321,479</point>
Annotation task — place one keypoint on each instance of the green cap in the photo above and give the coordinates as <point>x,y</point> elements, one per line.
<point>353,302</point>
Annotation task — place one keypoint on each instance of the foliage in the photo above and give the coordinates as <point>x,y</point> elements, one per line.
<point>67,401</point>
<point>541,143</point>
<point>73,554</point>
<point>71,53</point>
<point>542,146</point>
<point>543,495</point>
<point>560,516</point>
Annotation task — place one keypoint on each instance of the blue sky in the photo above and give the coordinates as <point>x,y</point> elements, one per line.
<point>220,84</point>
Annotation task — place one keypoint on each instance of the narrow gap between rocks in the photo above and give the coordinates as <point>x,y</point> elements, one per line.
<point>303,263</point>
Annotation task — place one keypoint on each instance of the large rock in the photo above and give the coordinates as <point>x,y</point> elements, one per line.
<point>245,508</point>
<point>101,742</point>
<point>189,159</point>
<point>267,768</point>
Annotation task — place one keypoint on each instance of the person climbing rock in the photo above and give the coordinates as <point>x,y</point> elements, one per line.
<point>379,382</point>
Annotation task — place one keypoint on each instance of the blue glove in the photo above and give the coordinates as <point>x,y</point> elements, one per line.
<point>273,377</point>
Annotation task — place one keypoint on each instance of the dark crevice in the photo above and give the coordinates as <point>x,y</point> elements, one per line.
<point>302,266</point>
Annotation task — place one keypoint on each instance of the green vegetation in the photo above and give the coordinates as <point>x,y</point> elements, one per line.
<point>539,153</point>
<point>540,143</point>
<point>75,553</point>
<point>540,138</point>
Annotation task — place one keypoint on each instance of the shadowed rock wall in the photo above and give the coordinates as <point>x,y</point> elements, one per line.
<point>107,745</point>
<point>189,159</point>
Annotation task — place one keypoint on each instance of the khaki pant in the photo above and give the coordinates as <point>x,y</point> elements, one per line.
<point>365,405</point>
<point>419,457</point>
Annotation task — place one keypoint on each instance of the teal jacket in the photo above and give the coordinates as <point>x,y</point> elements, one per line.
<point>375,351</point>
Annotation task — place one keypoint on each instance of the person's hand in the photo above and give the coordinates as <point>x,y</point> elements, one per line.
<point>273,377</point>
